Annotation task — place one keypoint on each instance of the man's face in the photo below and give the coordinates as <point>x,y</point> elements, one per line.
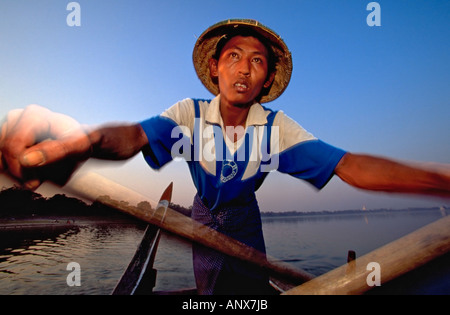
<point>241,71</point>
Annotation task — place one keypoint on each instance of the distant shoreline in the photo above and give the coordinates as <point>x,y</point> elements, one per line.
<point>269,214</point>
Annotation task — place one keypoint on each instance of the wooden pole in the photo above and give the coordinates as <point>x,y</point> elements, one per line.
<point>97,188</point>
<point>393,259</point>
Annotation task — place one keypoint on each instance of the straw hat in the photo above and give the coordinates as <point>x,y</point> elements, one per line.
<point>205,48</point>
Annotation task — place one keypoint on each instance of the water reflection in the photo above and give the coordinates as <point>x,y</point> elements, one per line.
<point>35,261</point>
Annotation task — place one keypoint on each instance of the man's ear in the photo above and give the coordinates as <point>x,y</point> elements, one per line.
<point>269,80</point>
<point>213,68</point>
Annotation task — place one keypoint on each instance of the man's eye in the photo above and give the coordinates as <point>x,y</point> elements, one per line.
<point>257,60</point>
<point>234,55</point>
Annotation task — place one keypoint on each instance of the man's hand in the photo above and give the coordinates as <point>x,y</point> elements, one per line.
<point>37,145</point>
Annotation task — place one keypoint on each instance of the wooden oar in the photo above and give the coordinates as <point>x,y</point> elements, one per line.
<point>394,260</point>
<point>95,187</point>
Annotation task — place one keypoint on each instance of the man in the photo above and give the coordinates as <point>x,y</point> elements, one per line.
<point>230,144</point>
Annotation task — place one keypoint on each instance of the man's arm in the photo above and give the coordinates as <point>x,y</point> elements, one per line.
<point>380,174</point>
<point>118,142</point>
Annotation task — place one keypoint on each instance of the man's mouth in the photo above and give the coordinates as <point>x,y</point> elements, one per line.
<point>241,86</point>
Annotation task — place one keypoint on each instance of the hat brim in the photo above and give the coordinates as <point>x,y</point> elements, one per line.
<point>205,48</point>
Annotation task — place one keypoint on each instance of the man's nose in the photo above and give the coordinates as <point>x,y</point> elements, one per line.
<point>244,67</point>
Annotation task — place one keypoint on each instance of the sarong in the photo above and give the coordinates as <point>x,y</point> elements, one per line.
<point>217,273</point>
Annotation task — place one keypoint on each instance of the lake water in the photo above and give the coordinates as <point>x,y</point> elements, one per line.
<point>35,262</point>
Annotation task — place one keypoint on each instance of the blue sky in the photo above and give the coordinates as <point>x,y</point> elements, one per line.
<point>382,90</point>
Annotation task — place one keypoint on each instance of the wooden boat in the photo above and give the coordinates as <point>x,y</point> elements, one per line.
<point>409,255</point>
<point>427,272</point>
<point>432,277</point>
<point>414,255</point>
<point>140,277</point>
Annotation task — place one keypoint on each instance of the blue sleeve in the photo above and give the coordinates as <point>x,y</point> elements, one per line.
<point>159,131</point>
<point>313,161</point>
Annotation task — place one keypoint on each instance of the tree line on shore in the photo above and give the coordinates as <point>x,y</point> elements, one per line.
<point>16,202</point>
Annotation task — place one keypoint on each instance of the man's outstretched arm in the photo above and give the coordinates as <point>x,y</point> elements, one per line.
<point>381,174</point>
